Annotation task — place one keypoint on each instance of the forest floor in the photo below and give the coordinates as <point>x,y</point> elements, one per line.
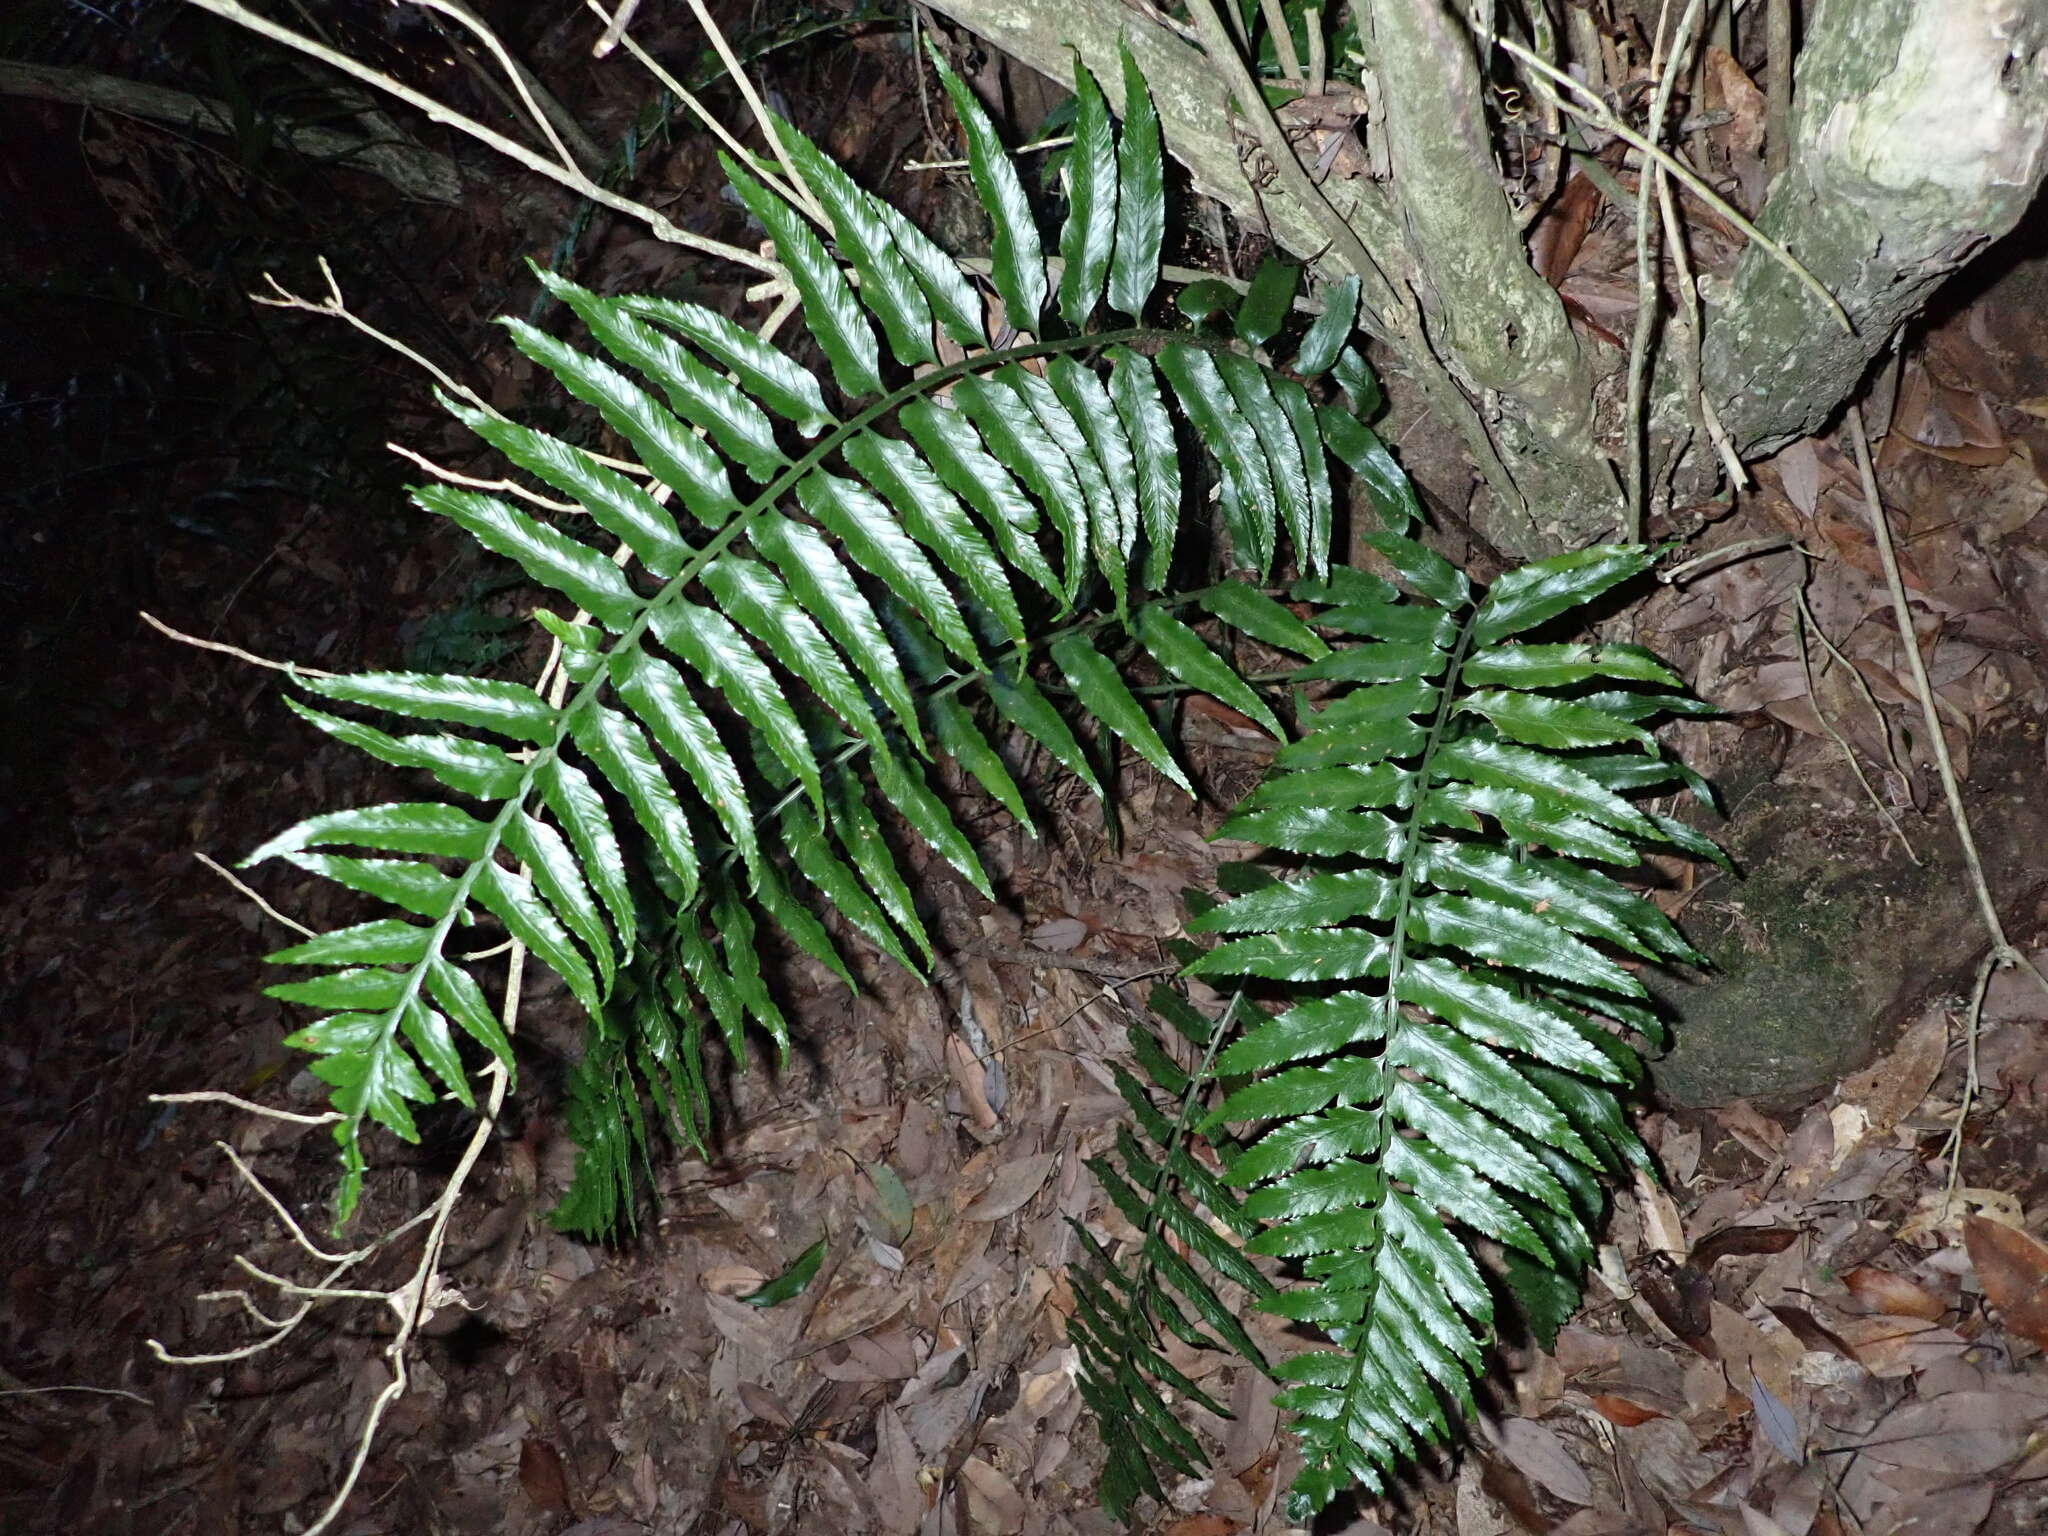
<point>1829,1318</point>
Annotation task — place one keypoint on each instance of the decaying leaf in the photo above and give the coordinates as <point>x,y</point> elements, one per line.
<point>2013,1269</point>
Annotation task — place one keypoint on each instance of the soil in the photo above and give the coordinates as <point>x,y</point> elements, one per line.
<point>1860,1350</point>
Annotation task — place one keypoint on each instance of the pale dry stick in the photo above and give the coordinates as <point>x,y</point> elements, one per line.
<point>573,179</point>
<point>454,477</point>
<point>703,114</point>
<point>284,1214</point>
<point>615,30</point>
<point>1058,141</point>
<point>541,107</point>
<point>756,106</point>
<point>1218,42</point>
<point>235,651</point>
<point>1595,112</point>
<point>1728,554</point>
<point>1283,38</point>
<point>243,887</point>
<point>2002,953</point>
<point>1318,55</point>
<point>135,1397</point>
<point>249,1106</point>
<point>1648,261</point>
<point>335,306</point>
<point>1804,623</point>
<point>1689,295</point>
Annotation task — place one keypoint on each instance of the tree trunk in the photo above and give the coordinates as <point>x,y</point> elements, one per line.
<point>1921,135</point>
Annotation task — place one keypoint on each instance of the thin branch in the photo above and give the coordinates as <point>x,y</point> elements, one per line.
<point>1595,111</point>
<point>1804,623</point>
<point>759,108</point>
<point>546,112</point>
<point>507,487</point>
<point>248,1106</point>
<point>133,1397</point>
<point>421,175</point>
<point>704,115</point>
<point>242,886</point>
<point>575,180</point>
<point>235,651</point>
<point>2002,951</point>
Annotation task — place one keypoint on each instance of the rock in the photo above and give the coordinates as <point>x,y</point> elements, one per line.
<point>1829,937</point>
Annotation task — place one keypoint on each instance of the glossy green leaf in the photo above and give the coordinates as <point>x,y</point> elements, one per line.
<point>945,286</point>
<point>1541,721</point>
<point>700,396</point>
<point>827,592</point>
<point>557,875</point>
<point>765,373</point>
<point>509,709</point>
<point>1552,666</point>
<point>1140,196</point>
<point>719,653</point>
<point>889,290</point>
<point>876,542</point>
<point>955,451</point>
<point>1256,394</point>
<point>1309,954</point>
<point>907,793</point>
<point>755,600</point>
<point>936,520</point>
<point>553,559</point>
<point>1096,684</point>
<point>1359,447</point>
<point>1533,594</point>
<point>385,941</point>
<point>1213,409</point>
<point>621,753</point>
<point>1320,900</point>
<point>1018,700</point>
<point>1318,830</point>
<point>1013,433</point>
<point>1187,656</point>
<point>659,696</point>
<point>679,459</point>
<point>512,899</point>
<point>1088,238</point>
<point>833,314</point>
<point>1155,458</point>
<point>419,888</point>
<point>401,827</point>
<point>790,1284</point>
<point>1018,267</point>
<point>1268,301</point>
<point>1244,607</point>
<point>809,850</point>
<point>1089,404</point>
<point>1331,329</point>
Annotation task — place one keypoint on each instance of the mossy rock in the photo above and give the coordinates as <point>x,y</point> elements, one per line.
<point>1829,936</point>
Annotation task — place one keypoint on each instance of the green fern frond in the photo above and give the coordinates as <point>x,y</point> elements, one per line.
<point>1439,1079</point>
<point>820,583</point>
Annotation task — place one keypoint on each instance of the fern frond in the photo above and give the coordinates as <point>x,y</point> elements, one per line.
<point>1440,1079</point>
<point>820,583</point>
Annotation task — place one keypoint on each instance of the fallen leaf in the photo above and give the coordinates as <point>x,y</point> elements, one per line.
<point>1539,1454</point>
<point>2013,1268</point>
<point>993,1503</point>
<point>1619,1410</point>
<point>1014,1185</point>
<point>1895,1295</point>
<point>971,1078</point>
<point>543,1476</point>
<point>1204,1525</point>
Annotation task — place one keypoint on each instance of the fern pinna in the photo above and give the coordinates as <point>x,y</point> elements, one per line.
<point>825,582</point>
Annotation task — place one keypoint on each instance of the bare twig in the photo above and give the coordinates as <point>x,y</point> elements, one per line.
<point>2002,952</point>
<point>1590,108</point>
<point>235,651</point>
<point>507,487</point>
<point>133,1397</point>
<point>546,113</point>
<point>336,307</point>
<point>704,115</point>
<point>759,108</point>
<point>1804,623</point>
<point>244,889</point>
<point>565,175</point>
<point>248,1106</point>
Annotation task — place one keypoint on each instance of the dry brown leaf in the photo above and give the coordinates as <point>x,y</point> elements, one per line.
<point>1204,1525</point>
<point>1895,1295</point>
<point>971,1078</point>
<point>1619,1410</point>
<point>993,1503</point>
<point>1540,1454</point>
<point>543,1476</point>
<point>1890,1089</point>
<point>1012,1187</point>
<point>2013,1268</point>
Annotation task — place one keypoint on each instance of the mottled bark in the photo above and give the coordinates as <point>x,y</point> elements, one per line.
<point>1922,132</point>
